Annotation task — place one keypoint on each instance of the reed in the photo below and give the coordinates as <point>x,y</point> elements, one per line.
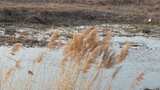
<point>85,59</point>
<point>136,82</point>
<point>53,40</point>
<point>85,52</point>
<point>16,47</point>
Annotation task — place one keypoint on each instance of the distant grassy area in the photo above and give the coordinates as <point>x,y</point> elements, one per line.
<point>79,13</point>
<point>102,2</point>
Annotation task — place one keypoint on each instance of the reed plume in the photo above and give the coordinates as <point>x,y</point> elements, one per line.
<point>137,81</point>
<point>85,58</point>
<point>16,47</point>
<point>53,40</point>
<point>123,54</point>
<point>9,73</point>
<point>18,64</point>
<point>39,59</point>
<point>85,51</point>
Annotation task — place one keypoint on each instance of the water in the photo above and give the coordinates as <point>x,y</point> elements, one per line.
<point>143,57</point>
<point>145,42</point>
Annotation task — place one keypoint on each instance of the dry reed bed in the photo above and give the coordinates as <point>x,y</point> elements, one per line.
<point>85,61</point>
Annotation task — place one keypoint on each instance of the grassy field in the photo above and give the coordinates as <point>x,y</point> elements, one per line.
<point>101,2</point>
<point>79,13</point>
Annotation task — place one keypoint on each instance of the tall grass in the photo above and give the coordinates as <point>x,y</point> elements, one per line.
<point>84,53</point>
<point>86,59</point>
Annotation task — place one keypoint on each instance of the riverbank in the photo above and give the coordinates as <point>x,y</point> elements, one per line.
<point>32,35</point>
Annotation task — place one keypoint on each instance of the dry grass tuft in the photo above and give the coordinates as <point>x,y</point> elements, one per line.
<point>123,54</point>
<point>137,81</point>
<point>85,52</point>
<point>9,73</point>
<point>16,47</point>
<point>53,41</point>
<point>18,64</point>
<point>39,59</point>
<point>85,59</point>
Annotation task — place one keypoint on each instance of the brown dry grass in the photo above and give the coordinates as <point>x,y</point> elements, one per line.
<point>84,52</point>
<point>85,60</point>
<point>136,82</point>
<point>134,13</point>
<point>47,7</point>
<point>53,41</point>
<point>16,47</point>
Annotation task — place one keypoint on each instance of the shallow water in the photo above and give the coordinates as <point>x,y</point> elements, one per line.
<point>143,57</point>
<point>145,42</point>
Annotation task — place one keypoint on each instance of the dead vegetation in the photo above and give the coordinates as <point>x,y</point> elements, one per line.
<point>120,11</point>
<point>85,59</point>
<point>101,2</point>
<point>84,53</point>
